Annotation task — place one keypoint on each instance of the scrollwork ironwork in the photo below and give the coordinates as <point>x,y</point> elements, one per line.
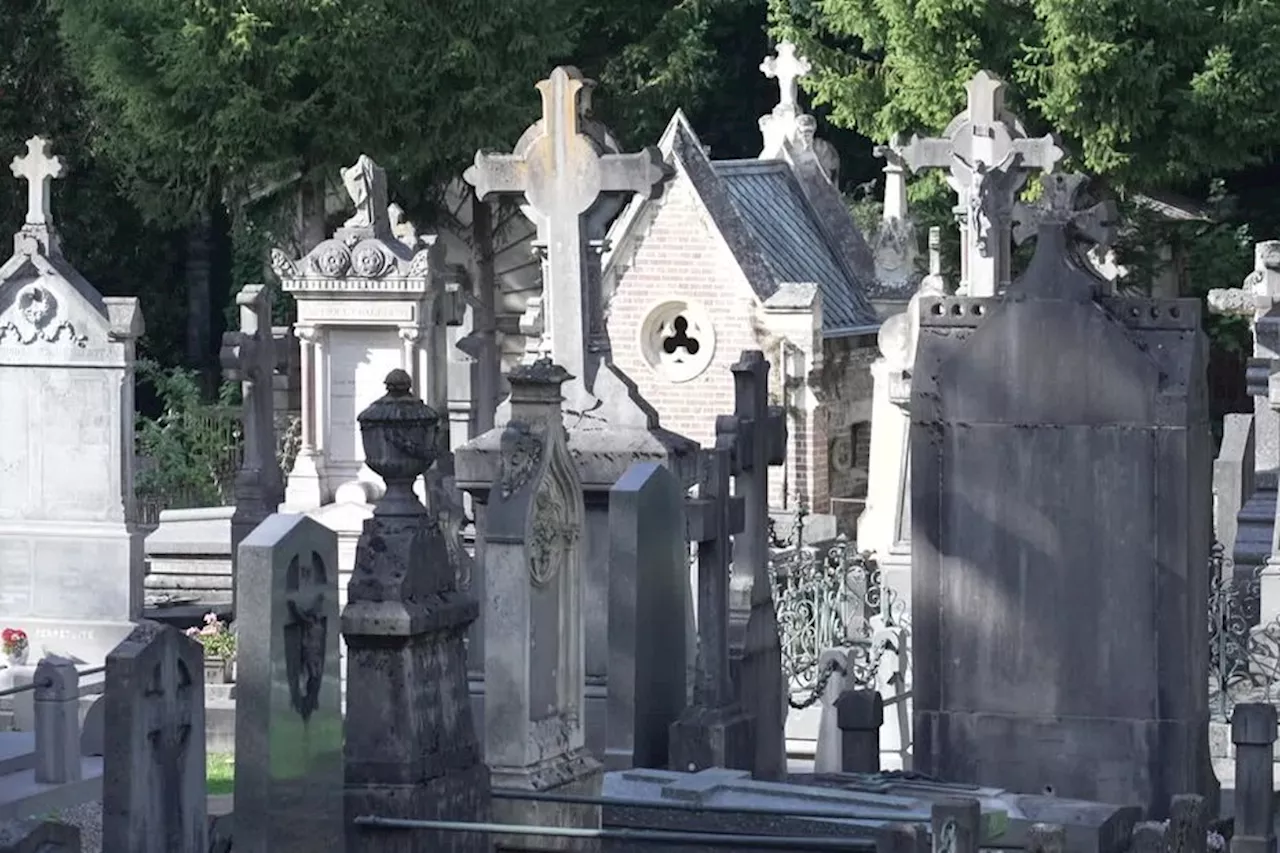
<point>1244,656</point>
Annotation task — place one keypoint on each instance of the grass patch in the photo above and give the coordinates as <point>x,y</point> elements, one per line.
<point>220,773</point>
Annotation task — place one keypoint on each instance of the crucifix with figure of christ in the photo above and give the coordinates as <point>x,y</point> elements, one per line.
<point>990,157</point>
<point>168,700</point>
<point>561,174</point>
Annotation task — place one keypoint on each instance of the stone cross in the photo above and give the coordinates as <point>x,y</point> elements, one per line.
<point>249,357</point>
<point>561,175</point>
<point>787,68</point>
<point>714,730</point>
<point>38,168</point>
<point>713,517</point>
<point>989,155</point>
<point>169,733</point>
<point>756,435</point>
<point>895,184</point>
<point>1058,205</point>
<point>1258,300</point>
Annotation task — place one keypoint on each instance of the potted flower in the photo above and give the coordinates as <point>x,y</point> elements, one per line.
<point>219,648</point>
<point>15,646</point>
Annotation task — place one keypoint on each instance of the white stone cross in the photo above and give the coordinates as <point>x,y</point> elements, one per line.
<point>788,68</point>
<point>38,168</point>
<point>561,175</point>
<point>990,157</point>
<point>1258,300</point>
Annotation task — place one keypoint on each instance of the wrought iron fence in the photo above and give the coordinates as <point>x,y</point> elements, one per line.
<point>1244,655</point>
<point>831,597</point>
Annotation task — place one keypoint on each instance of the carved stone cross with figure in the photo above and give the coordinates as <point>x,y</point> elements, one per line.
<point>989,155</point>
<point>306,586</point>
<point>561,174</point>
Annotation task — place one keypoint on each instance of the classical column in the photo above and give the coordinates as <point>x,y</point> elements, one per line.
<point>307,338</point>
<point>410,336</point>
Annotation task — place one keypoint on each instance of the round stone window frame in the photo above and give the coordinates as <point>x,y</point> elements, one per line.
<point>650,338</point>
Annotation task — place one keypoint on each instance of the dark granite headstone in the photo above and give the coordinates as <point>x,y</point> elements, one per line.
<point>289,777</point>
<point>153,770</point>
<point>1061,529</point>
<point>648,587</point>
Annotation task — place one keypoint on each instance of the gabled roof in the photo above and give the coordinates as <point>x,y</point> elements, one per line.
<point>792,241</point>
<point>766,219</point>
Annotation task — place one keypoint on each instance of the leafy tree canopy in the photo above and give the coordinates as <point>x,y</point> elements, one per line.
<point>1144,91</point>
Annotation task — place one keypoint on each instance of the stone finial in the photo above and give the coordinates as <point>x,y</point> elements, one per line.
<point>38,168</point>
<point>787,68</point>
<point>366,183</point>
<point>400,443</point>
<point>1058,206</point>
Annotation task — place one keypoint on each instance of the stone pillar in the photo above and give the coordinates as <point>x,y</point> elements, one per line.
<point>305,486</point>
<point>57,703</point>
<point>1253,731</point>
<point>859,716</point>
<point>535,630</point>
<point>410,746</point>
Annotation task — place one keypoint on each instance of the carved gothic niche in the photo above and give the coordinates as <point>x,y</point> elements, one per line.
<point>677,340</point>
<point>306,585</point>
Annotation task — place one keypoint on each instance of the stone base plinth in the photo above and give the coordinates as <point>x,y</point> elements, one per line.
<point>574,775</point>
<point>713,737</point>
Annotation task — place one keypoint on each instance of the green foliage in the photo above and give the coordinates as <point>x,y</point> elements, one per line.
<point>216,636</point>
<point>1142,90</point>
<point>200,98</point>
<point>190,450</point>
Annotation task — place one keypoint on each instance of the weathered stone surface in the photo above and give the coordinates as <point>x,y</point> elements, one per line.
<point>153,790</point>
<point>71,564</point>
<point>650,615</point>
<point>30,836</point>
<point>534,675</point>
<point>289,772</point>
<point>409,743</point>
<point>1039,584</point>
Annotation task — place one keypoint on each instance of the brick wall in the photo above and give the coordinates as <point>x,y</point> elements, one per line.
<point>681,256</point>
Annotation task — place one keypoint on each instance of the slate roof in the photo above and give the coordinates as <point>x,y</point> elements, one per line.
<point>792,240</point>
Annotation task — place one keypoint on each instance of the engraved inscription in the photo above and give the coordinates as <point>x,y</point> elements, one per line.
<point>391,312</point>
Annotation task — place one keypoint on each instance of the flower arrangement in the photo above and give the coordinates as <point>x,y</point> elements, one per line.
<point>14,641</point>
<point>216,637</point>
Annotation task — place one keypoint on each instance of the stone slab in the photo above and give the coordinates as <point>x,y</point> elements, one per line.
<point>21,796</point>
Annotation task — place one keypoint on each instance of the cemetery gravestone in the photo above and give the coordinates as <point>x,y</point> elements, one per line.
<point>715,730</point>
<point>249,357</point>
<point>535,631</point>
<point>71,564</point>
<point>648,587</point>
<point>366,305</point>
<point>153,786</point>
<point>569,168</point>
<point>1258,300</point>
<point>1040,582</point>
<point>756,436</point>
<point>409,742</point>
<point>289,778</point>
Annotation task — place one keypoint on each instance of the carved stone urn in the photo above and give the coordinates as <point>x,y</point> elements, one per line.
<point>400,443</point>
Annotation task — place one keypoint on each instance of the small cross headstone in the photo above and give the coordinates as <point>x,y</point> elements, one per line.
<point>249,357</point>
<point>153,785</point>
<point>989,156</point>
<point>714,731</point>
<point>38,168</point>
<point>755,434</point>
<point>288,635</point>
<point>561,175</point>
<point>787,68</point>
